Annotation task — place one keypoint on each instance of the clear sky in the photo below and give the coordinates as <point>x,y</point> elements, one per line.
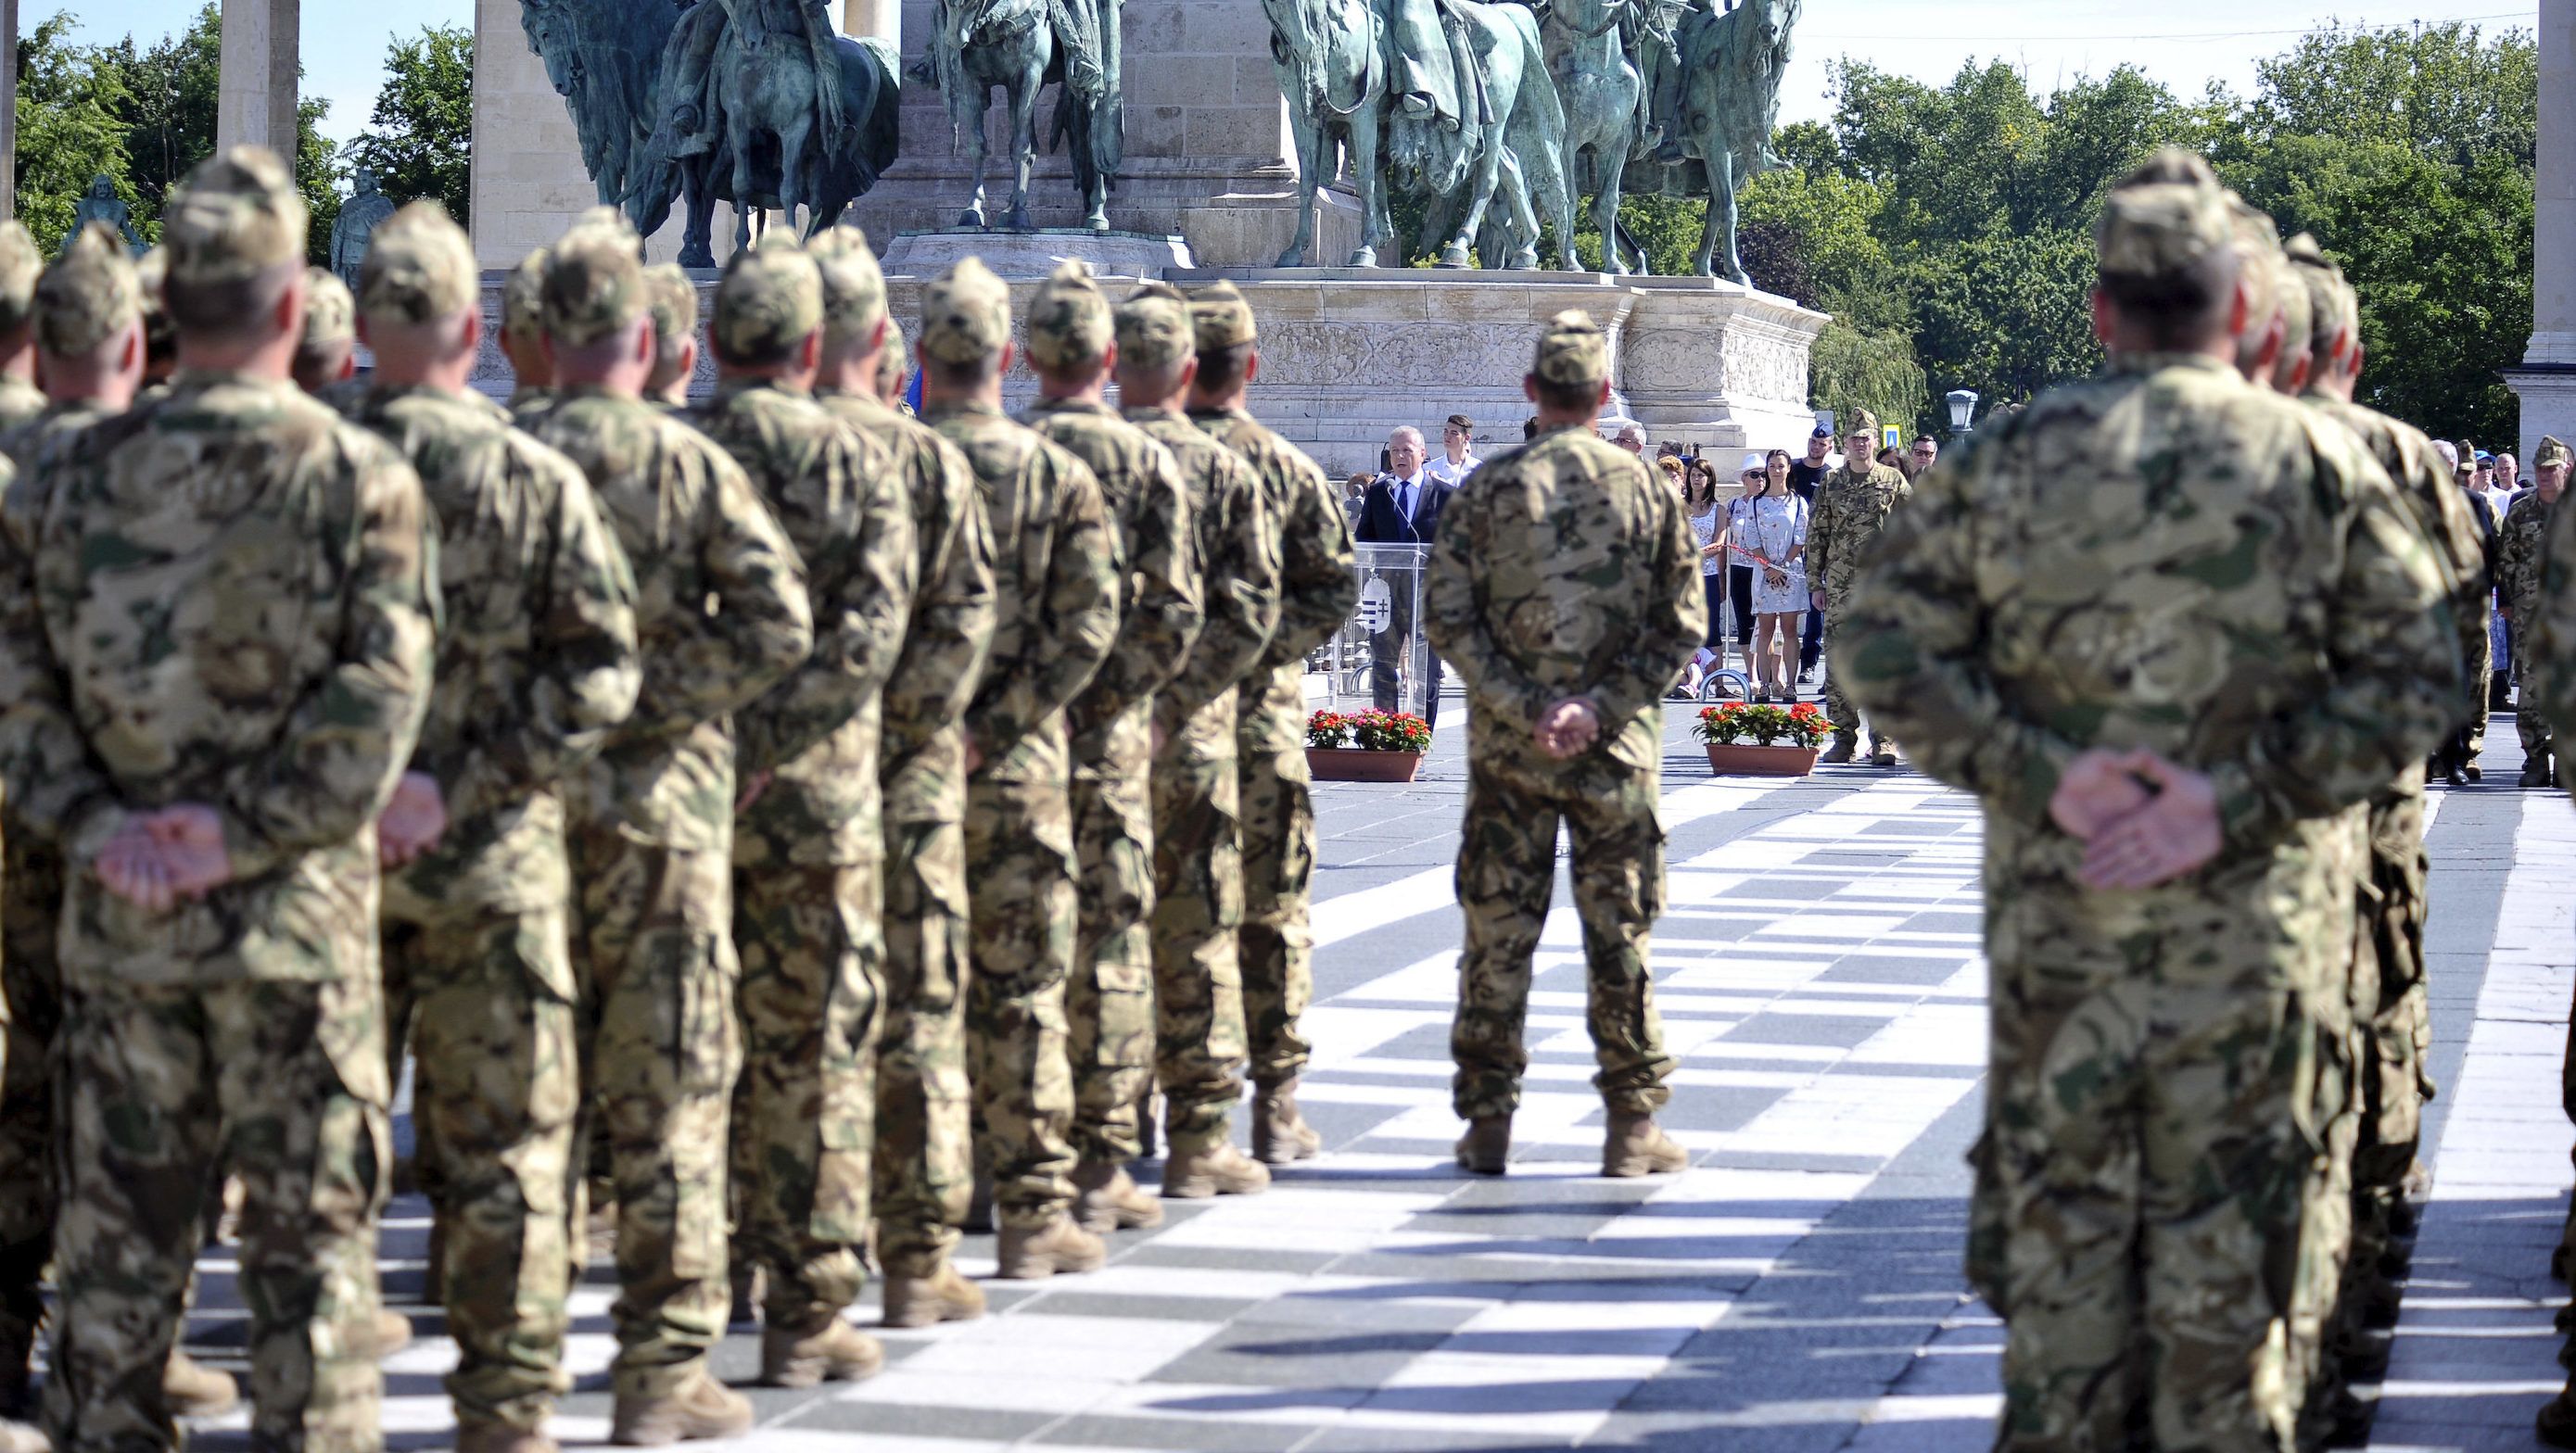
<point>2184,43</point>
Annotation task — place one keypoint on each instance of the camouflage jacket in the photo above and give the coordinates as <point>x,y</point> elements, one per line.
<point>2548,630</point>
<point>234,603</point>
<point>1852,509</point>
<point>2436,505</point>
<point>536,657</point>
<point>1160,609</point>
<point>1319,585</point>
<point>1567,571</point>
<point>2166,558</point>
<point>20,402</point>
<point>720,612</point>
<point>921,763</point>
<point>835,493</point>
<point>2518,551</point>
<point>1237,551</point>
<point>529,406</point>
<point>1055,588</point>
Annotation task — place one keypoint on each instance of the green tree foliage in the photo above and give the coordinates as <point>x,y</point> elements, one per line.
<point>68,130</point>
<point>421,135</point>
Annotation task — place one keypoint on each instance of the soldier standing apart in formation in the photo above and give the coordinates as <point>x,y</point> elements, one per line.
<point>536,663</point>
<point>1109,1001</point>
<point>923,1164</point>
<point>721,615</point>
<point>1566,591</point>
<point>1852,507</point>
<point>675,335</point>
<point>327,359</point>
<point>2166,904</point>
<point>808,841</point>
<point>1197,803</point>
<point>230,523</point>
<point>1056,581</point>
<point>523,339</point>
<point>2518,569</point>
<point>1318,589</point>
<point>20,262</point>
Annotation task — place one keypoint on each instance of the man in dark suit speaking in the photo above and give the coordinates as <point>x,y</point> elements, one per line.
<point>1402,508</point>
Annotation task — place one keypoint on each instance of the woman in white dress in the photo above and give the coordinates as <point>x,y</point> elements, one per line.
<point>1771,531</point>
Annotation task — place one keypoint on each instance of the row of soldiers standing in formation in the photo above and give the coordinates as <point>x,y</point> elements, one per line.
<point>763,792</point>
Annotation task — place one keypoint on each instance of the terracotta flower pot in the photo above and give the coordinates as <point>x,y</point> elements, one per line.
<point>1744,761</point>
<point>1354,764</point>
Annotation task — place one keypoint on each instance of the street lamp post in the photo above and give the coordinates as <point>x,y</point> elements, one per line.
<point>1963,411</point>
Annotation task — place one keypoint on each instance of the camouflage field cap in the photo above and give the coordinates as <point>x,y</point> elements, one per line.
<point>965,314</point>
<point>238,216</point>
<point>594,284</point>
<point>854,291</point>
<point>1572,352</point>
<point>1069,322</point>
<point>20,265</point>
<point>1153,327</point>
<point>672,300</point>
<point>2551,451</point>
<point>419,269</point>
<point>2167,217</point>
<point>2258,245</point>
<point>895,364</point>
<point>330,313</point>
<point>523,299</point>
<point>771,300</point>
<point>90,296</point>
<point>1221,317</point>
<point>152,270</point>
<point>1862,422</point>
<point>2333,307</point>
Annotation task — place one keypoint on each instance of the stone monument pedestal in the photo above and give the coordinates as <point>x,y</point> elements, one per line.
<point>1023,255</point>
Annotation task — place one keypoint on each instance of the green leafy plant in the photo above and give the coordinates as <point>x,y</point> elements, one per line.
<point>1326,730</point>
<point>1391,731</point>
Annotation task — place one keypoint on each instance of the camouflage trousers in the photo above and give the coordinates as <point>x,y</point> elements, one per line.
<point>2533,728</point>
<point>804,1111</point>
<point>2481,666</point>
<point>1506,880</point>
<point>659,1052</point>
<point>1198,913</point>
<point>1022,923</point>
<point>2153,1128</point>
<point>1278,942</point>
<point>30,903</point>
<point>490,1006</point>
<point>1838,703</point>
<point>279,1083</point>
<point>1109,999</point>
<point>2396,1035</point>
<point>924,1167</point>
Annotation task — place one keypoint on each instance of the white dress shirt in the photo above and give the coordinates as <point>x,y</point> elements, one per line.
<point>1447,473</point>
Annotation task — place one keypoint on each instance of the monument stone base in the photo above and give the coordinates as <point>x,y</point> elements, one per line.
<point>1019,255</point>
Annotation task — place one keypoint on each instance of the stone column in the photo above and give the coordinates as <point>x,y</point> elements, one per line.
<point>2546,381</point>
<point>256,98</point>
<point>880,18</point>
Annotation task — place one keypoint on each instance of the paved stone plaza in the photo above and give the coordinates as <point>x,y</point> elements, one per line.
<point>1798,1289</point>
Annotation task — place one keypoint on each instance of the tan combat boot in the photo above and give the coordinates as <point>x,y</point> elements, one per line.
<point>1884,754</point>
<point>1033,1251</point>
<point>1637,1146</point>
<point>193,1390</point>
<point>1218,1170</point>
<point>1108,1199</point>
<point>501,1438</point>
<point>1843,749</point>
<point>926,1301</point>
<point>701,1407</point>
<point>1486,1146</point>
<point>1281,1136</point>
<point>835,1352</point>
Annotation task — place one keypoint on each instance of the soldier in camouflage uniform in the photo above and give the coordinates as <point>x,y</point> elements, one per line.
<point>1318,590</point>
<point>2517,573</point>
<point>675,334</point>
<point>923,1166</point>
<point>1109,999</point>
<point>1197,786</point>
<point>523,338</point>
<point>1565,590</point>
<point>1056,572</point>
<point>1852,507</point>
<point>536,663</point>
<point>894,371</point>
<point>2547,638</point>
<point>722,616</point>
<point>327,358</point>
<point>20,263</point>
<point>2261,642</point>
<point>808,839</point>
<point>160,338</point>
<point>231,526</point>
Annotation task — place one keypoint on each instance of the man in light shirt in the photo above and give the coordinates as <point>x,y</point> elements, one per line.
<point>1457,452</point>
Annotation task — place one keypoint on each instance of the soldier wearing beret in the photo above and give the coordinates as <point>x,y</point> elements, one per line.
<point>674,307</point>
<point>1199,1050</point>
<point>808,841</point>
<point>20,264</point>
<point>1056,574</point>
<point>1318,589</point>
<point>2518,552</point>
<point>327,357</point>
<point>1852,506</point>
<point>721,616</point>
<point>1109,1000</point>
<point>922,1170</point>
<point>2168,907</point>
<point>1565,589</point>
<point>199,811</point>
